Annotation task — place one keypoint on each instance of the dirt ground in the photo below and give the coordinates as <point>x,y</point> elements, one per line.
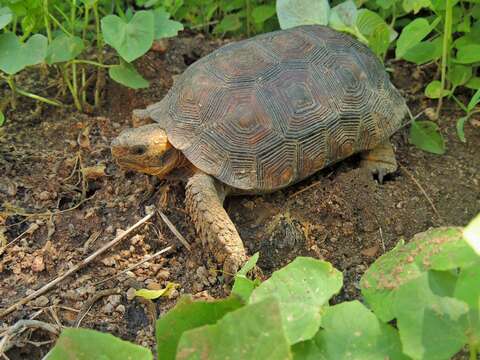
<point>62,197</point>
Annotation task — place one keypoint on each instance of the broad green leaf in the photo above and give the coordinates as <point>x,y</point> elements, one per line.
<point>426,136</point>
<point>468,54</point>
<point>472,234</point>
<point>474,101</point>
<point>368,22</point>
<point>252,332</point>
<point>6,16</point>
<point>351,331</point>
<point>86,344</point>
<point>434,90</point>
<point>262,13</point>
<point>230,22</point>
<point>127,75</point>
<point>15,56</point>
<point>131,39</point>
<point>2,119</point>
<point>468,285</point>
<point>293,13</point>
<point>301,288</point>
<point>459,74</point>
<point>424,51</point>
<point>155,294</point>
<point>64,48</point>
<point>188,314</point>
<point>439,249</point>
<point>430,326</point>
<point>415,5</point>
<point>413,34</point>
<point>164,26</point>
<point>385,4</point>
<point>460,128</point>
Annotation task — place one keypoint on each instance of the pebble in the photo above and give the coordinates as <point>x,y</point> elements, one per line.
<point>153,286</point>
<point>108,308</point>
<point>163,274</point>
<point>120,308</point>
<point>131,294</point>
<point>41,301</point>
<point>114,299</point>
<point>38,264</point>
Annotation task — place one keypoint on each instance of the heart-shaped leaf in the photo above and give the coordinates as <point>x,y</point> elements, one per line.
<point>64,48</point>
<point>131,39</point>
<point>15,56</point>
<point>426,136</point>
<point>127,75</point>
<point>413,34</point>
<point>262,13</point>
<point>164,26</point>
<point>434,90</point>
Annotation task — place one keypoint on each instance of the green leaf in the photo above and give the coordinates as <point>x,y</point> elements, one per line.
<point>473,83</point>
<point>430,326</point>
<point>262,13</point>
<point>473,101</point>
<point>2,119</point>
<point>127,75</point>
<point>426,136</point>
<point>243,286</point>
<point>439,249</point>
<point>343,16</point>
<point>164,27</point>
<point>351,331</point>
<point>434,89</point>
<point>413,34</point>
<point>186,315</point>
<point>293,13</point>
<point>459,74</point>
<point>64,48</point>
<point>86,344</point>
<point>155,294</point>
<point>472,234</point>
<point>424,51</point>
<point>15,56</point>
<point>249,265</point>
<point>131,39</point>
<point>468,54</point>
<point>415,5</point>
<point>301,288</point>
<point>252,332</point>
<point>460,128</point>
<point>6,16</point>
<point>229,23</point>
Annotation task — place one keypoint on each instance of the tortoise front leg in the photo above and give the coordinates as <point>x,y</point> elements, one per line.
<point>204,202</point>
<point>380,160</point>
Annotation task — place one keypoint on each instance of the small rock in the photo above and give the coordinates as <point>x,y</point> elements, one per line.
<point>153,286</point>
<point>37,264</point>
<point>174,294</point>
<point>163,274</point>
<point>41,301</point>
<point>131,294</point>
<point>45,195</point>
<point>108,308</point>
<point>120,308</point>
<point>114,300</point>
<point>431,113</point>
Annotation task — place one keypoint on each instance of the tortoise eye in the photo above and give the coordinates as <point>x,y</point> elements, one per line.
<point>138,150</point>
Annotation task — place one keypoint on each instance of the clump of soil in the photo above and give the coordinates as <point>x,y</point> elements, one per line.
<point>62,197</point>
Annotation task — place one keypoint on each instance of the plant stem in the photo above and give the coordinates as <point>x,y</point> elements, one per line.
<point>247,5</point>
<point>99,54</point>
<point>45,19</point>
<point>94,63</point>
<point>473,351</point>
<point>38,97</point>
<point>11,83</point>
<point>70,87</point>
<point>447,36</point>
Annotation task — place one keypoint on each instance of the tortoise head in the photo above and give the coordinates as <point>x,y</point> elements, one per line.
<point>146,149</point>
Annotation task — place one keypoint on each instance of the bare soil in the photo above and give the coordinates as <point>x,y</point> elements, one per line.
<point>62,197</point>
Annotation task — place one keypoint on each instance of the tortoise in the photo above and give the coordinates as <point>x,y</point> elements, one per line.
<point>261,114</point>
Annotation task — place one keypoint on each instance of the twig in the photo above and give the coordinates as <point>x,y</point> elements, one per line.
<point>174,230</point>
<point>19,327</point>
<point>420,187</point>
<point>90,302</point>
<point>158,253</point>
<point>75,268</point>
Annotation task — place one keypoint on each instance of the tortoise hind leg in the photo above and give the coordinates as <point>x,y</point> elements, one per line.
<point>204,203</point>
<point>380,160</point>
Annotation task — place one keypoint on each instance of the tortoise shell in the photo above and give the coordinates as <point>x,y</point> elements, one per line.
<point>266,112</point>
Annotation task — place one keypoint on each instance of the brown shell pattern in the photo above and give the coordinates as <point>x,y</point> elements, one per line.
<point>266,112</point>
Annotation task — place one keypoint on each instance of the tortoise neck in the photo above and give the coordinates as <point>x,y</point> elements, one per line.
<point>183,169</point>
